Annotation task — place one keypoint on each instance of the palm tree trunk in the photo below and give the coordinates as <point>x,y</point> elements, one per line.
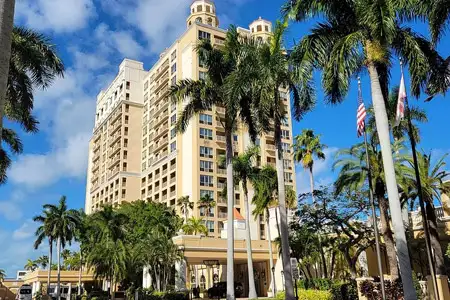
<point>112,287</point>
<point>311,182</point>
<point>272,267</point>
<point>230,229</point>
<point>58,284</point>
<point>50,253</point>
<point>434,238</point>
<point>277,209</point>
<point>391,183</point>
<point>185,214</point>
<point>251,276</point>
<point>79,274</point>
<point>333,262</point>
<point>6,28</point>
<point>388,237</point>
<point>283,216</point>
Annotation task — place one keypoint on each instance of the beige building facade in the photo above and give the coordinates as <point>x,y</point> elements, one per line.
<point>136,153</point>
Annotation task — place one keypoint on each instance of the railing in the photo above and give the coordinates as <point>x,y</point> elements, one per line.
<point>173,180</point>
<point>416,218</point>
<point>223,215</point>
<point>220,138</point>
<point>270,147</point>
<point>221,171</point>
<point>172,194</point>
<point>221,185</point>
<point>220,110</point>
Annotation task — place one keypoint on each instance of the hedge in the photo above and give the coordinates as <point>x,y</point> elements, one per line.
<point>309,295</point>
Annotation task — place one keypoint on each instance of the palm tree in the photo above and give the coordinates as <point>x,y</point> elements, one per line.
<point>31,265</point>
<point>63,223</point>
<point>433,180</point>
<point>2,275</point>
<point>33,63</point>
<point>6,28</point>
<point>81,237</point>
<point>45,231</point>
<point>206,203</point>
<point>265,186</point>
<point>185,205</point>
<point>353,175</point>
<point>12,139</point>
<point>42,261</point>
<point>244,171</point>
<point>274,75</point>
<point>108,255</point>
<point>306,146</point>
<point>225,86</point>
<point>357,35</point>
<point>195,226</point>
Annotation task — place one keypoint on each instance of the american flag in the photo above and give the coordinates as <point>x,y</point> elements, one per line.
<point>401,102</point>
<point>361,113</point>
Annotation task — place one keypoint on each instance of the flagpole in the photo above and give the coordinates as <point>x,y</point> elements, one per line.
<point>425,223</point>
<point>372,205</point>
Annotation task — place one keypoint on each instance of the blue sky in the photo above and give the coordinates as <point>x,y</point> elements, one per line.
<point>92,37</point>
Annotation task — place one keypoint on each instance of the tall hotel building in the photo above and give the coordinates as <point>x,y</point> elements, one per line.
<point>135,152</point>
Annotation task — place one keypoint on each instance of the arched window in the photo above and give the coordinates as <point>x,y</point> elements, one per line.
<point>190,23</point>
<point>259,28</point>
<point>199,8</point>
<point>259,39</point>
<point>199,20</point>
<point>209,21</point>
<point>203,282</point>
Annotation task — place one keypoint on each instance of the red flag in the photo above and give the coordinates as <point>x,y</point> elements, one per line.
<point>401,102</point>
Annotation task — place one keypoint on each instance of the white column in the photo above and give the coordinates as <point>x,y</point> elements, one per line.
<point>180,279</point>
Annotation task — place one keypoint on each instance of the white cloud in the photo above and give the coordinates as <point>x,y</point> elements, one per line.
<point>55,15</point>
<point>120,40</point>
<point>25,231</point>
<point>10,210</point>
<point>322,172</point>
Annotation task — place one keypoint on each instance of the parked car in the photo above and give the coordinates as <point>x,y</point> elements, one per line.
<point>219,290</point>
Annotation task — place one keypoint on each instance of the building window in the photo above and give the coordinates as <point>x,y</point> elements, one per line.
<point>206,180</point>
<point>208,8</point>
<point>173,56</point>
<point>198,20</point>
<point>146,85</point>
<point>205,119</point>
<point>173,119</point>
<point>288,177</point>
<point>284,122</point>
<point>173,133</point>
<point>173,108</point>
<point>210,226</point>
<point>204,193</point>
<point>202,75</point>
<point>127,86</point>
<point>174,80</point>
<point>287,164</point>
<point>206,152</point>
<point>258,142</point>
<point>201,61</point>
<point>127,96</point>
<point>206,134</point>
<point>173,69</point>
<point>267,28</point>
<point>235,138</point>
<point>199,8</point>
<point>259,28</point>
<point>286,147</point>
<point>204,35</point>
<point>285,134</point>
<point>173,147</point>
<point>206,166</point>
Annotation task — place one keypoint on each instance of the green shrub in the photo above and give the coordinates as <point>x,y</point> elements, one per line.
<point>309,295</point>
<point>344,290</point>
<point>322,284</point>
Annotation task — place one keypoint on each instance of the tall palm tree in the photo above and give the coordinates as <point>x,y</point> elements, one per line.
<point>62,223</point>
<point>6,28</point>
<point>31,265</point>
<point>195,226</point>
<point>307,145</point>
<point>42,261</point>
<point>185,205</point>
<point>32,63</point>
<point>107,257</point>
<point>358,35</point>
<point>206,203</point>
<point>12,139</point>
<point>45,231</point>
<point>81,236</point>
<point>265,186</point>
<point>275,74</point>
<point>2,275</point>
<point>245,172</point>
<point>353,175</point>
<point>226,86</point>
<point>433,180</point>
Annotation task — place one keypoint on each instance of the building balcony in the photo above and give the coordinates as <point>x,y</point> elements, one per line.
<point>96,146</point>
<point>161,144</point>
<point>415,218</point>
<point>173,167</point>
<point>97,136</point>
<point>173,194</point>
<point>114,138</point>
<point>164,67</point>
<point>271,148</point>
<point>219,42</point>
<point>162,95</point>
<point>114,127</point>
<point>113,161</point>
<point>96,156</point>
<point>222,215</point>
<point>161,119</point>
<point>163,82</point>
<point>116,114</point>
<point>160,108</point>
<point>173,180</point>
<point>114,150</point>
<point>221,185</point>
<point>164,184</point>
<point>221,138</point>
<point>161,130</point>
<point>95,167</point>
<point>221,171</point>
<point>164,197</point>
<point>220,110</point>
